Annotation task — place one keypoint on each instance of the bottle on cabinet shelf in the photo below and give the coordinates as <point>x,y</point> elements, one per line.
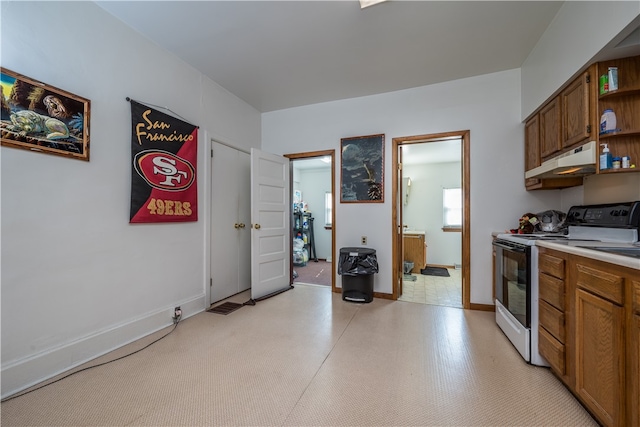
<point>605,158</point>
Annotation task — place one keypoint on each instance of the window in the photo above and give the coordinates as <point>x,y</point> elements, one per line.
<point>328,209</point>
<point>451,209</point>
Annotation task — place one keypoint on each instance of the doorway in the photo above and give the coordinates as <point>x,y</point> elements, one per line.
<point>312,220</point>
<point>437,234</point>
<point>248,222</point>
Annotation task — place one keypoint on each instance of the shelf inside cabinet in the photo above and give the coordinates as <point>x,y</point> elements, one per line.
<point>633,132</point>
<point>621,170</point>
<point>619,93</point>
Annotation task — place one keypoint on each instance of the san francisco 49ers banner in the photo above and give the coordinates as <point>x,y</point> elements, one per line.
<point>163,176</point>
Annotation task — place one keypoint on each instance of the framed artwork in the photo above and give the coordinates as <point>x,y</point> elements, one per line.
<point>43,118</point>
<point>362,169</point>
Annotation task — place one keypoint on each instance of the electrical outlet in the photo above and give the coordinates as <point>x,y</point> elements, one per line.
<point>177,314</point>
<point>363,239</point>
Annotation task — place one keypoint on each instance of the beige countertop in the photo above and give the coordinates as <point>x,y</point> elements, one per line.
<point>413,232</point>
<point>582,248</point>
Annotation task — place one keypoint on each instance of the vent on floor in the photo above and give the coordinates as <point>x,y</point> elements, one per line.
<point>225,308</point>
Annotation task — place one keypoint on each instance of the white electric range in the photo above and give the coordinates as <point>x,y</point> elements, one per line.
<point>516,266</point>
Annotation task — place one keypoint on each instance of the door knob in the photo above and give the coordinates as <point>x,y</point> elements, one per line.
<point>256,226</point>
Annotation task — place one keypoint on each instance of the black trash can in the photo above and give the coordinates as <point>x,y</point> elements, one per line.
<point>357,267</point>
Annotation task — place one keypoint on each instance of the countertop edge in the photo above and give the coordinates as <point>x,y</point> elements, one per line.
<point>621,260</point>
<point>414,232</point>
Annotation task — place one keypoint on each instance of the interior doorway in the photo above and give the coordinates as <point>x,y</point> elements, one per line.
<point>437,234</point>
<point>312,219</point>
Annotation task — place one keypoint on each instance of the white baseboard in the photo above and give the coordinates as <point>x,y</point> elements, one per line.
<point>23,373</point>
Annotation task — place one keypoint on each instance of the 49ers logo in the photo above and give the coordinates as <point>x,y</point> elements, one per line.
<point>164,170</point>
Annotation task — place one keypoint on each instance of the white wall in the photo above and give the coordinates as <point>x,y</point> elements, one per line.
<point>424,209</point>
<point>577,35</point>
<point>579,31</point>
<point>314,183</point>
<point>489,106</point>
<point>77,279</point>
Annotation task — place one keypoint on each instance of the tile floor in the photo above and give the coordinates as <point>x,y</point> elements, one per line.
<point>434,290</point>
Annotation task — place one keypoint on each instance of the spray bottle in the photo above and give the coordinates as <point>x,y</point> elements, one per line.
<point>605,158</point>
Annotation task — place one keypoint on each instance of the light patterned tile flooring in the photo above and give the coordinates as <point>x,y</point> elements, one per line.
<point>434,290</point>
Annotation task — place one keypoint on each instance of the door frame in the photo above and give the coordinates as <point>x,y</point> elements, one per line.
<point>311,155</point>
<point>397,272</point>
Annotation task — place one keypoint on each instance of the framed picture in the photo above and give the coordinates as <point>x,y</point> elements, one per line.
<point>43,118</point>
<point>362,169</point>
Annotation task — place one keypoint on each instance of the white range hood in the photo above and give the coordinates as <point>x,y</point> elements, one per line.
<point>580,161</point>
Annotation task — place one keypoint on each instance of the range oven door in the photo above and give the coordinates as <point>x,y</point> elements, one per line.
<point>513,279</point>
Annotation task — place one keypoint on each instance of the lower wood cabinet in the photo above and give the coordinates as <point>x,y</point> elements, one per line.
<point>552,307</point>
<point>415,251</point>
<point>600,369</point>
<point>634,355</point>
<point>590,332</point>
<point>634,374</point>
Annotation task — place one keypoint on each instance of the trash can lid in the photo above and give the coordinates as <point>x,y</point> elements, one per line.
<point>358,251</point>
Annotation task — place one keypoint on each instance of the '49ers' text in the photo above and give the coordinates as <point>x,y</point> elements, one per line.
<point>169,207</point>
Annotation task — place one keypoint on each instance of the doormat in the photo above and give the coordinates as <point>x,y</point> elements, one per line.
<point>225,308</point>
<point>435,271</point>
<point>409,277</point>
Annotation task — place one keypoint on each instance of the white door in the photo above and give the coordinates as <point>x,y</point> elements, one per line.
<point>270,231</point>
<point>244,220</point>
<point>230,222</point>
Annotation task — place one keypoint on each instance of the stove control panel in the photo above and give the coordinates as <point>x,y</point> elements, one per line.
<point>616,215</point>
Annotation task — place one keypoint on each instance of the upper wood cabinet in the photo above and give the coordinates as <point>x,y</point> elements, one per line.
<point>532,148</point>
<point>578,110</point>
<point>625,103</point>
<point>532,143</point>
<point>550,127</point>
<point>572,118</point>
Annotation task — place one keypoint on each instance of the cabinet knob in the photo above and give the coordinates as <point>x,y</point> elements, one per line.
<point>241,225</point>
<point>236,225</point>
<point>256,226</point>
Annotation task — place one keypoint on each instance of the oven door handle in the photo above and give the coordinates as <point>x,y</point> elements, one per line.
<point>509,248</point>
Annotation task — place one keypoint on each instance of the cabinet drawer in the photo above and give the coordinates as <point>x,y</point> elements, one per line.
<point>635,294</point>
<point>607,285</point>
<point>552,350</point>
<point>551,265</point>
<point>552,290</point>
<point>552,320</point>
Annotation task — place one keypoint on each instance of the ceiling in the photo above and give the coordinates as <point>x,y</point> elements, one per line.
<point>282,54</point>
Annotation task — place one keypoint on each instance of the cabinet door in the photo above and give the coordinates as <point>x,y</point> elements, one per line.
<point>414,251</point>
<point>550,122</point>
<point>634,356</point>
<point>600,381</point>
<point>532,147</point>
<point>532,143</point>
<point>576,117</point>
<point>634,400</point>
